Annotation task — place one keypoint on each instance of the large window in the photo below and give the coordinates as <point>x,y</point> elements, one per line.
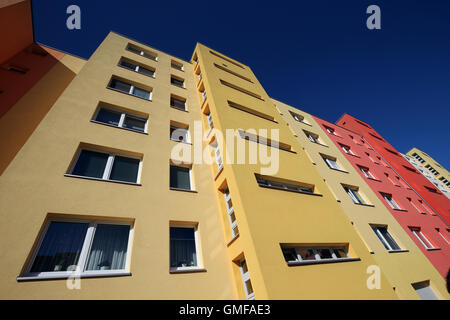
<point>93,247</point>
<point>180,178</point>
<point>136,67</point>
<point>141,52</point>
<point>184,252</point>
<point>121,119</point>
<point>295,255</point>
<point>129,89</point>
<point>422,238</point>
<point>106,166</point>
<point>386,238</point>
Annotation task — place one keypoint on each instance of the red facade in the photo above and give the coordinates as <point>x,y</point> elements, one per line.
<point>413,214</point>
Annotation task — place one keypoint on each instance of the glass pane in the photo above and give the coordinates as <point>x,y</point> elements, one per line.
<point>109,117</point>
<point>289,254</point>
<point>150,56</point>
<point>109,248</point>
<point>180,178</point>
<point>307,254</point>
<point>340,253</point>
<point>146,71</point>
<point>248,285</point>
<point>182,247</point>
<point>324,253</point>
<point>61,247</point>
<point>128,65</point>
<point>125,169</point>
<point>244,266</point>
<point>133,49</point>
<point>177,82</point>
<point>120,85</point>
<point>389,239</point>
<point>141,93</point>
<point>134,123</point>
<point>91,164</point>
<point>177,103</point>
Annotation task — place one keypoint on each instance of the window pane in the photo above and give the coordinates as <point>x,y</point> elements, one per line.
<point>389,239</point>
<point>289,254</point>
<point>61,247</point>
<point>180,178</point>
<point>141,93</point>
<point>177,82</point>
<point>128,65</point>
<point>109,248</point>
<point>307,254</point>
<point>91,164</point>
<point>108,116</point>
<point>133,49</point>
<point>177,103</point>
<point>125,169</point>
<point>134,123</point>
<point>146,71</point>
<point>120,85</point>
<point>182,247</point>
<point>340,253</point>
<point>324,253</point>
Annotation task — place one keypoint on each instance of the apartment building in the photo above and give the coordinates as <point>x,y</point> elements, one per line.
<point>434,199</point>
<point>349,176</point>
<point>431,169</point>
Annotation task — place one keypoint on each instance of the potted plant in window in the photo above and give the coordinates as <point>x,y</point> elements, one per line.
<point>105,265</point>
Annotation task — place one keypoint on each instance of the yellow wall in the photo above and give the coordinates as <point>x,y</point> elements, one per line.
<point>394,265</point>
<point>34,186</point>
<point>269,217</point>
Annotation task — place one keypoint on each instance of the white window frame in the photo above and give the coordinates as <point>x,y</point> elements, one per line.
<point>246,277</point>
<point>230,211</point>
<point>422,238</point>
<point>317,257</point>
<point>383,239</point>
<point>210,121</point>
<point>218,156</point>
<point>354,194</point>
<point>199,264</point>
<point>84,255</point>
<point>366,172</point>
<point>132,88</point>
<point>414,205</point>
<point>204,95</point>
<point>347,150</point>
<point>443,237</point>
<point>187,136</point>
<point>390,200</point>
<point>108,166</point>
<point>191,180</point>
<point>122,119</point>
<point>332,163</point>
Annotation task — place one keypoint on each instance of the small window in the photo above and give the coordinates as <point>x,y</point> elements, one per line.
<point>424,290</point>
<point>178,133</point>
<point>422,238</point>
<point>312,137</point>
<point>386,238</point>
<point>353,193</point>
<point>184,251</point>
<point>388,198</point>
<point>121,119</point>
<point>347,149</point>
<point>178,103</point>
<point>230,211</point>
<point>331,162</point>
<point>177,65</point>
<point>94,247</point>
<point>106,166</point>
<point>366,172</point>
<point>136,67</point>
<point>331,131</point>
<point>18,70</point>
<point>445,237</point>
<point>180,178</point>
<point>248,288</point>
<point>297,117</point>
<point>128,88</point>
<point>177,81</point>
<point>295,255</point>
<point>209,120</point>
<point>218,155</point>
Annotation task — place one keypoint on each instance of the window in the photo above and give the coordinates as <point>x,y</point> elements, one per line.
<point>366,172</point>
<point>250,111</point>
<point>347,149</point>
<point>297,117</point>
<point>269,183</point>
<point>390,180</point>
<point>312,137</point>
<point>178,133</point>
<point>178,103</point>
<point>445,237</point>
<point>184,249</point>
<point>426,209</point>
<point>433,171</point>
<point>265,141</point>
<point>371,159</point>
<point>295,255</point>
<point>209,119</point>
<point>180,177</point>
<point>331,131</point>
<point>18,70</point>
<point>415,155</point>
<point>422,238</point>
<point>331,162</point>
<point>230,211</point>
<point>218,156</point>
<point>414,205</point>
<point>129,89</point>
<point>431,190</point>
<point>248,288</point>
<point>232,86</point>
<point>386,238</point>
<point>106,166</point>
<point>177,81</point>
<point>176,65</point>
<point>135,67</point>
<point>388,198</point>
<point>354,194</point>
<point>424,290</point>
<point>94,247</point>
<point>121,119</point>
<point>203,92</point>
<point>144,53</point>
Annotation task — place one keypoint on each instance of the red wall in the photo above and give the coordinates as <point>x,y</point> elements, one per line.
<point>409,217</point>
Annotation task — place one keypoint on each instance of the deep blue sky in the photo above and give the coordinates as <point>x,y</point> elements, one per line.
<point>315,55</point>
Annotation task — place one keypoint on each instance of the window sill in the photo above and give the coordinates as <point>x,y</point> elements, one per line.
<point>113,126</point>
<point>353,155</point>
<point>192,270</point>
<point>178,86</point>
<point>102,180</point>
<point>374,180</point>
<point>301,122</point>
<point>233,240</point>
<point>183,190</point>
<point>401,210</point>
<point>73,275</point>
<point>397,251</point>
<point>320,144</point>
<point>339,170</point>
<point>364,204</point>
<point>129,94</point>
<point>303,263</point>
<point>433,249</point>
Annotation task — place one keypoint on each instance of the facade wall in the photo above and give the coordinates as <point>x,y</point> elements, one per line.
<point>435,199</point>
<point>363,217</point>
<point>269,217</point>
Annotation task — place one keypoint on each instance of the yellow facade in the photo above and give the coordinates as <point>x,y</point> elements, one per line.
<point>394,265</point>
<point>37,186</point>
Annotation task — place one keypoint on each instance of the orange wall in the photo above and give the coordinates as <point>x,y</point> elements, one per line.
<point>16,28</point>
